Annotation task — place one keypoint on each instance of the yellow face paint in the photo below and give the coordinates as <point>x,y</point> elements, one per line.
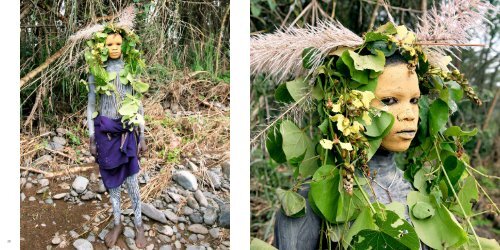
<point>397,92</point>
<point>114,45</point>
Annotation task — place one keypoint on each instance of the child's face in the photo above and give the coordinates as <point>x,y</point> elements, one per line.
<point>114,45</point>
<point>398,93</point>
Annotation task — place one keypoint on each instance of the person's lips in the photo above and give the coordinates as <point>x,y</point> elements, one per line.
<point>407,133</point>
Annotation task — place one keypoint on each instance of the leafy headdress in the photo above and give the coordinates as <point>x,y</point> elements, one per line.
<point>96,56</point>
<point>337,71</point>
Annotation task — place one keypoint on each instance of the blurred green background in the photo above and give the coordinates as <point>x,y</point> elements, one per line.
<point>479,64</point>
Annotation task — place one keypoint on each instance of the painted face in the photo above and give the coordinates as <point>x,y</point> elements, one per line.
<point>397,92</point>
<point>114,45</point>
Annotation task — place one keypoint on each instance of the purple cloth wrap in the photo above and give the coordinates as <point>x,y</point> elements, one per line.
<point>117,149</point>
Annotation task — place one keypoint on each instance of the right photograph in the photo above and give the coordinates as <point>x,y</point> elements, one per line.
<point>373,124</point>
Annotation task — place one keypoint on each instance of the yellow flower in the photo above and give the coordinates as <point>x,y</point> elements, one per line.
<point>366,117</point>
<point>367,97</point>
<point>357,103</point>
<point>347,131</point>
<point>346,145</point>
<point>342,124</point>
<point>326,144</point>
<point>356,127</point>
<point>337,117</point>
<point>336,107</point>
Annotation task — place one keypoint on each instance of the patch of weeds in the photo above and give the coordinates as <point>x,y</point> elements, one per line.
<point>148,118</point>
<point>167,122</point>
<point>73,139</point>
<point>174,156</point>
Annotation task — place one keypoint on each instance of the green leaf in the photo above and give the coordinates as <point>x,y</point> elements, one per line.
<point>111,76</point>
<point>374,62</point>
<point>397,207</point>
<point>349,205</point>
<point>386,226</point>
<point>381,125</point>
<point>438,116</point>
<point>274,145</point>
<point>457,131</point>
<point>308,55</point>
<point>361,76</point>
<point>297,88</point>
<point>454,168</point>
<point>387,28</point>
<point>375,36</point>
<point>422,210</point>
<point>295,143</point>
<point>387,48</point>
<point>420,180</point>
<point>336,232</point>
<point>258,244</point>
<point>398,228</point>
<point>323,127</point>
<point>282,95</point>
<point>362,222</point>
<point>440,230</point>
<point>325,191</point>
<point>130,77</point>
<point>317,92</point>
<point>466,195</point>
<point>373,239</point>
<point>371,86</point>
<point>140,87</point>
<point>128,109</point>
<point>423,125</point>
<point>374,145</point>
<point>293,204</point>
<point>456,91</point>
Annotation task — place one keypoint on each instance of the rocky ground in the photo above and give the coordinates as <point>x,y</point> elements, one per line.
<point>185,206</point>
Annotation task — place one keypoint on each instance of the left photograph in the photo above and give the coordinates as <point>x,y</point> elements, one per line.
<point>124,124</point>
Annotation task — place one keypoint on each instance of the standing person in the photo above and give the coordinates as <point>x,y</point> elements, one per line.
<point>116,124</point>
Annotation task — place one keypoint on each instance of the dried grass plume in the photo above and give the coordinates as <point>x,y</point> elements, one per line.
<point>125,21</point>
<point>279,55</point>
<point>452,23</point>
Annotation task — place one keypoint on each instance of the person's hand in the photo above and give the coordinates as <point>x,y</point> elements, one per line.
<point>93,149</point>
<point>142,145</point>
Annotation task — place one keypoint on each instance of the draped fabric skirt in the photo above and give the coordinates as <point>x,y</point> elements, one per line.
<point>117,150</point>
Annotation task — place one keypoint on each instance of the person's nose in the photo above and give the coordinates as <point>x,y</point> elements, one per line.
<point>408,114</point>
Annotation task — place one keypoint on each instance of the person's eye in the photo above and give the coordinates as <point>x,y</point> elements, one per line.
<point>389,100</point>
<point>414,100</point>
<point>109,44</point>
<point>118,44</point>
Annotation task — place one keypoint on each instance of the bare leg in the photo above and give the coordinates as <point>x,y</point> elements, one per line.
<point>112,236</point>
<point>133,191</point>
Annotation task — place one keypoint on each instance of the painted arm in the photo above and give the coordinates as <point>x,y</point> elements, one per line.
<point>90,111</point>
<point>91,105</point>
<point>142,125</point>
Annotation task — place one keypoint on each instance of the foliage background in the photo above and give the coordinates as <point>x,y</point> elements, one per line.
<point>479,64</point>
